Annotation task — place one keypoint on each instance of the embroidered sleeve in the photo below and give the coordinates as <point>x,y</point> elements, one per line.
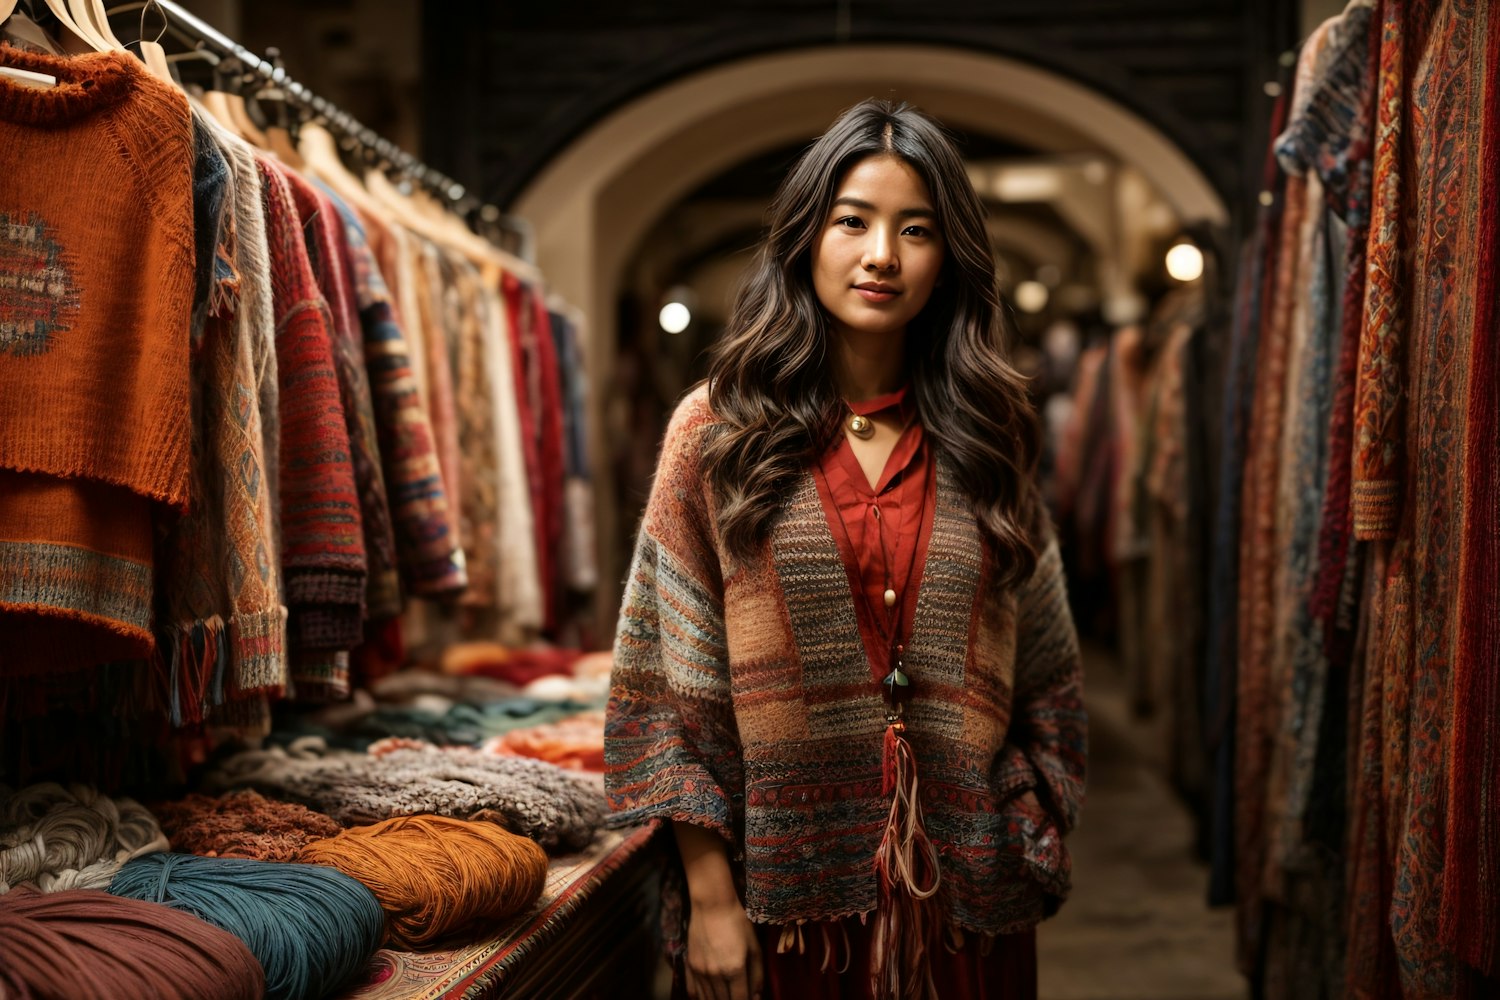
<point>671,748</point>
<point>1048,721</point>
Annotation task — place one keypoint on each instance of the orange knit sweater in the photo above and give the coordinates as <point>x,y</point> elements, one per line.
<point>96,287</point>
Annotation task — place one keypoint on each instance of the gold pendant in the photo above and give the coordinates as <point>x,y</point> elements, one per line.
<point>861,427</point>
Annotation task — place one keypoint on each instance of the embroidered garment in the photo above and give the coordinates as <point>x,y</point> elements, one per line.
<point>743,701</point>
<point>1446,51</point>
<point>95,292</point>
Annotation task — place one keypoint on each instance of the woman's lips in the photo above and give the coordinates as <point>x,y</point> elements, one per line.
<point>876,295</point>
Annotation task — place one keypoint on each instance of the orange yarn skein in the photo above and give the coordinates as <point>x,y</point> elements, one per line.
<point>437,877</point>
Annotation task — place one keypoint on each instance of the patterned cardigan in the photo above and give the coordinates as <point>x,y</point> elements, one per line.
<point>742,701</point>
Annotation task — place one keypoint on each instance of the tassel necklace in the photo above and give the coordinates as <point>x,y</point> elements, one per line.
<point>906,862</point>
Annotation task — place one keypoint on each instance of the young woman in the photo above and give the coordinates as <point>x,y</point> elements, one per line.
<point>845,668</point>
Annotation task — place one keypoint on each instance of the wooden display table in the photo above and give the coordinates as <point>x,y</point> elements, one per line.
<point>593,933</point>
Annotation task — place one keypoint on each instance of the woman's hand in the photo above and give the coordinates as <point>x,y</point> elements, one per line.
<point>723,955</point>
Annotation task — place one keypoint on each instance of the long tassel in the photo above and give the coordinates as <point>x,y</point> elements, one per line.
<point>907,865</point>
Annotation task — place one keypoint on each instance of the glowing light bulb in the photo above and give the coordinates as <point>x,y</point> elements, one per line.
<point>1030,296</point>
<point>1185,262</point>
<point>675,317</point>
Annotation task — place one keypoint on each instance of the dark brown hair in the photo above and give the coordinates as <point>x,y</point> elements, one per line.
<point>772,389</point>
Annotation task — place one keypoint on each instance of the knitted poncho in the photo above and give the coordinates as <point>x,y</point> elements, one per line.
<point>743,701</point>
<point>96,291</point>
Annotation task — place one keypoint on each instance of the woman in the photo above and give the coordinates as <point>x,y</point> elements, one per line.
<point>845,668</point>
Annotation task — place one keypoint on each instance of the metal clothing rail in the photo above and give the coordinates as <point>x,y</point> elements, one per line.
<point>186,22</point>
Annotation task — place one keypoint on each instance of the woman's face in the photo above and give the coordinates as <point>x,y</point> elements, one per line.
<point>877,258</point>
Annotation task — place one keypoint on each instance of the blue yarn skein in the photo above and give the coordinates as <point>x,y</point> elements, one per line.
<point>311,927</point>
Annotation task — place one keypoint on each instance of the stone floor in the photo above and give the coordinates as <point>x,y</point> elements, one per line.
<point>1136,926</point>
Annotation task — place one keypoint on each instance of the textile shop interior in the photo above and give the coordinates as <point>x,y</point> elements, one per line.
<point>305,623</point>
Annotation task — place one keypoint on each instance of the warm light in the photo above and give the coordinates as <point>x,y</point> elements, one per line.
<point>1030,296</point>
<point>675,317</point>
<point>1185,262</point>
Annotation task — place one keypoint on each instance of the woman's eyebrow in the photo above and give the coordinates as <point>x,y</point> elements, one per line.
<point>905,213</point>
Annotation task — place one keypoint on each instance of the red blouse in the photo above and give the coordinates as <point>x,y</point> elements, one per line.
<point>881,531</point>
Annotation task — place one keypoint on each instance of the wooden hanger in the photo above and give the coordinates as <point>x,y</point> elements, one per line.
<point>89,15</point>
<point>77,35</point>
<point>320,152</point>
<point>444,228</point>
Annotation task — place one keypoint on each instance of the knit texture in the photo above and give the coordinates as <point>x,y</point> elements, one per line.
<point>420,509</point>
<point>534,799</point>
<point>742,701</point>
<point>96,290</point>
<point>241,824</point>
<point>322,542</point>
<point>329,251</point>
<point>96,263</point>
<point>220,561</point>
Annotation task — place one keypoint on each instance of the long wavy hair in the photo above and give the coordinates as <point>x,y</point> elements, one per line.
<point>771,385</point>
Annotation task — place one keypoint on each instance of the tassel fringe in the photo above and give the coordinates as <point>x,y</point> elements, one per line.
<point>906,921</point>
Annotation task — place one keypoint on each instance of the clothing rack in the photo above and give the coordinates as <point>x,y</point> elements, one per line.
<point>208,38</point>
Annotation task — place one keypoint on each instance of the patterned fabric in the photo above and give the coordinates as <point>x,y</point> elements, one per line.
<point>475,389</point>
<point>221,584</point>
<point>1443,102</point>
<point>1471,886</point>
<point>430,562</point>
<point>329,253</point>
<point>96,296</point>
<point>1379,413</point>
<point>742,701</point>
<point>1255,719</point>
<point>322,545</point>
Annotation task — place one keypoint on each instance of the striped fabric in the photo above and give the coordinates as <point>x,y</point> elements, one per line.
<point>742,701</point>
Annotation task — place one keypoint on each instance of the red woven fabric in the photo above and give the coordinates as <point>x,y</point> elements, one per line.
<point>1471,877</point>
<point>880,523</point>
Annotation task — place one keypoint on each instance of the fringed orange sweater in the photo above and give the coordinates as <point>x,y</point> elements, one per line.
<point>96,289</point>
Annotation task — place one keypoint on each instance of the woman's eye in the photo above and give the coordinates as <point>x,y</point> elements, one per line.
<point>850,222</point>
<point>921,231</point>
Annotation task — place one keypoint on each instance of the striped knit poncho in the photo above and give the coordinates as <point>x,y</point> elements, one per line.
<point>742,701</point>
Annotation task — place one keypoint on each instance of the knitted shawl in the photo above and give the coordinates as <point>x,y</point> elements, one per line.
<point>322,550</point>
<point>96,293</point>
<point>420,509</point>
<point>742,701</point>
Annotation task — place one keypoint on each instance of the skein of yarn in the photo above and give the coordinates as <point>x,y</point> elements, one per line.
<point>241,824</point>
<point>70,838</point>
<point>311,928</point>
<point>437,877</point>
<point>88,945</point>
<point>554,807</point>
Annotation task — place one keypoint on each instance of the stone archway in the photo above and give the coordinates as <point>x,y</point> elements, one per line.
<point>594,201</point>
